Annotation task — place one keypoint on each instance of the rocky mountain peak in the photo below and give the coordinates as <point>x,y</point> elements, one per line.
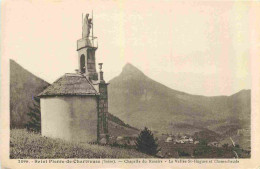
<point>131,70</point>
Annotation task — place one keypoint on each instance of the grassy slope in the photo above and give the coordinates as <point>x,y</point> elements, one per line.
<point>116,130</point>
<point>29,145</point>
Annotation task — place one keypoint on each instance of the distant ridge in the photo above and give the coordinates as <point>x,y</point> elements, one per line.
<point>141,101</point>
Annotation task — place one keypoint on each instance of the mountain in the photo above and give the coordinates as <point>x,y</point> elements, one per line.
<point>141,101</point>
<point>24,86</point>
<point>136,100</point>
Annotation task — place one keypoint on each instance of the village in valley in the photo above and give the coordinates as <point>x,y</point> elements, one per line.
<point>188,146</point>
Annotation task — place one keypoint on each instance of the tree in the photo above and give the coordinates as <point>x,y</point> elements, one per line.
<point>34,123</point>
<point>237,146</point>
<point>203,142</point>
<point>225,146</point>
<point>146,142</point>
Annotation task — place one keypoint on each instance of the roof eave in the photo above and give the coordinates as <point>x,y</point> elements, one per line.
<point>57,95</point>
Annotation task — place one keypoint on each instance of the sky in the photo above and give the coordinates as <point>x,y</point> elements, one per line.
<point>196,47</point>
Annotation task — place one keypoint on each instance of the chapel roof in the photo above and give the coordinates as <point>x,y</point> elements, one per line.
<point>70,84</point>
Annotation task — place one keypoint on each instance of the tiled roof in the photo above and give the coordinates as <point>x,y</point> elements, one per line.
<point>70,84</point>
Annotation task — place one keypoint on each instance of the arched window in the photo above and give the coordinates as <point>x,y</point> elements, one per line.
<point>82,64</point>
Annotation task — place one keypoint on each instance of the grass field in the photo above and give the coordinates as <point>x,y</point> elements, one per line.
<point>25,145</point>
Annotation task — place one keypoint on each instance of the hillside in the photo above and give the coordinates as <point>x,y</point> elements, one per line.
<point>23,87</point>
<point>141,101</point>
<point>24,145</point>
<point>117,127</point>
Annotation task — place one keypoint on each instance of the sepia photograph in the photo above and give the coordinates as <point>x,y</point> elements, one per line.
<point>128,83</point>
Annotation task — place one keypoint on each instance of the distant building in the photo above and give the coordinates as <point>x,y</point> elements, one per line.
<point>179,141</point>
<point>196,142</point>
<point>214,144</point>
<point>75,106</point>
<point>169,139</point>
<point>184,139</point>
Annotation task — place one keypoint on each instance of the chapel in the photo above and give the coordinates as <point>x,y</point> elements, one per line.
<point>75,106</point>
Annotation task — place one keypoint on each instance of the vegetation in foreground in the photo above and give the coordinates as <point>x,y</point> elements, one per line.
<point>146,142</point>
<point>34,122</point>
<point>25,145</point>
<point>201,150</point>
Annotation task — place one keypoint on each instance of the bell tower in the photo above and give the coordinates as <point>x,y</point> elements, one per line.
<point>86,47</point>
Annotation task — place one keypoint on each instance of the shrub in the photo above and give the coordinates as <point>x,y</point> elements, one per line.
<point>225,146</point>
<point>34,123</point>
<point>146,143</point>
<point>203,142</point>
<point>183,153</point>
<point>201,150</point>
